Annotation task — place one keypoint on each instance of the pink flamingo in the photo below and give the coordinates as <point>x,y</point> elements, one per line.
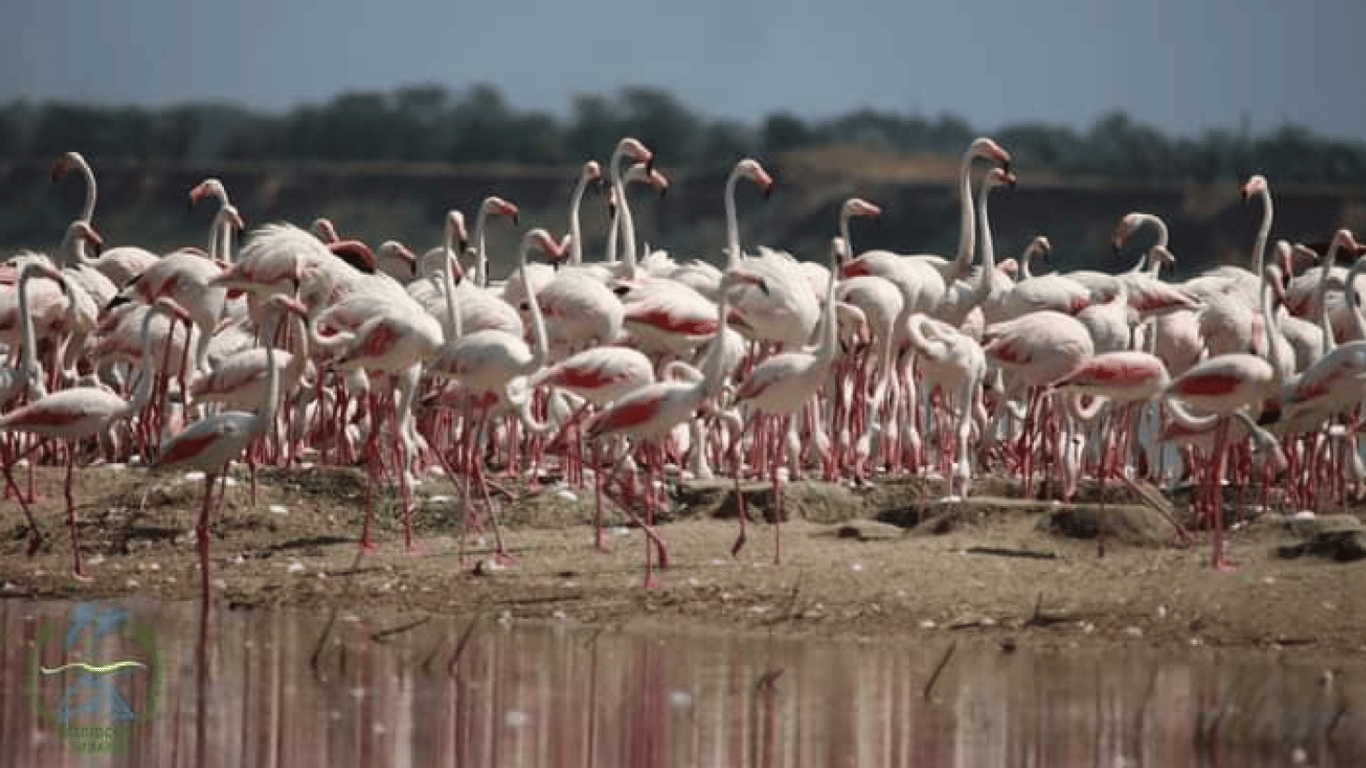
<point>600,376</point>
<point>121,264</point>
<point>486,362</point>
<point>780,386</point>
<point>212,443</point>
<point>651,412</point>
<point>1221,385</point>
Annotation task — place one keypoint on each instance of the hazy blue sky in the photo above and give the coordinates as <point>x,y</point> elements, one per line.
<point>1183,65</point>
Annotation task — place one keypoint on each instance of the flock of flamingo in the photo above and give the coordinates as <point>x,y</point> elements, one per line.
<point>305,344</point>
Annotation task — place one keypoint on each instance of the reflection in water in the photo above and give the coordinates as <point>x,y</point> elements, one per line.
<point>444,692</point>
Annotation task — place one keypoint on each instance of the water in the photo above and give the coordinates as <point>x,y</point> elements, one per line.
<point>439,693</point>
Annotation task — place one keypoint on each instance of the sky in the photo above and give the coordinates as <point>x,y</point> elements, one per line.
<point>1184,66</point>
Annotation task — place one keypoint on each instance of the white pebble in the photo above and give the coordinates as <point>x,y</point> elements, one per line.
<point>567,495</point>
<point>279,509</point>
<point>927,624</point>
<point>1133,631</point>
<point>294,567</point>
<point>229,482</point>
<point>438,499</point>
<point>132,582</point>
<point>195,476</point>
<point>1303,514</point>
<point>857,566</point>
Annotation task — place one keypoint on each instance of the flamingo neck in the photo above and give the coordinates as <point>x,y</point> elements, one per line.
<point>733,223</point>
<point>575,231</point>
<point>983,289</point>
<point>825,350</point>
<point>480,255</point>
<point>270,407</point>
<point>628,231</point>
<point>1329,342</point>
<point>448,284</point>
<point>541,351</point>
<point>29,355</point>
<point>962,261</point>
<point>1263,232</point>
<point>1273,326</point>
<point>88,211</point>
<point>142,395</point>
<point>1353,302</point>
<point>72,249</point>
<point>712,368</point>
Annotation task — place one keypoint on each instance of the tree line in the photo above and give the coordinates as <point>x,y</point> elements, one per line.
<point>432,123</point>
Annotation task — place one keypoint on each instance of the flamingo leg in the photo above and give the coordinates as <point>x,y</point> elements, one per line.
<point>35,537</point>
<point>71,512</point>
<point>202,533</point>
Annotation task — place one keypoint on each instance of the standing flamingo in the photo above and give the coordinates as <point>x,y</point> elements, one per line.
<point>211,444</point>
<point>780,386</point>
<point>651,412</point>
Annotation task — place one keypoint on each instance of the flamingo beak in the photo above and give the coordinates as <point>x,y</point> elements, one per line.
<point>60,168</point>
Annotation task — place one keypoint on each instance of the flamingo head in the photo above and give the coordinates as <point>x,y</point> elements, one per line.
<point>632,148</point>
<point>174,309</point>
<point>839,249</point>
<point>209,187</point>
<point>38,268</point>
<point>499,207</point>
<point>643,172</point>
<point>288,303</point>
<point>393,249</point>
<point>591,174</point>
<point>1300,252</point>
<point>540,238</point>
<point>997,177</point>
<point>233,217</point>
<point>325,230</point>
<point>1254,186</point>
<point>355,253</point>
<point>1163,254</point>
<point>1126,226</point>
<point>456,233</point>
<point>739,276</point>
<point>857,206</point>
<point>752,170</point>
<point>87,233</point>
<point>64,163</point>
<point>1039,248</point>
<point>988,148</point>
<point>1346,241</point>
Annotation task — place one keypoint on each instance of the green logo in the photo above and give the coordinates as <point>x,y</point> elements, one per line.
<point>96,678</point>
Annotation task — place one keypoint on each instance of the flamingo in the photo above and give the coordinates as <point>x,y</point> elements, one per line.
<point>486,362</point>
<point>80,412</point>
<point>1224,384</point>
<point>212,443</point>
<point>120,265</point>
<point>780,386</point>
<point>652,411</point>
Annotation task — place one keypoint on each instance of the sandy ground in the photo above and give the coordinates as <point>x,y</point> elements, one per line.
<point>886,559</point>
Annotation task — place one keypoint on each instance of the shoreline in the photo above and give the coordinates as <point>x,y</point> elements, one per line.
<point>890,560</point>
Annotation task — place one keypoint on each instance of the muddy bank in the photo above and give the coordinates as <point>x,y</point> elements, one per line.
<point>888,559</point>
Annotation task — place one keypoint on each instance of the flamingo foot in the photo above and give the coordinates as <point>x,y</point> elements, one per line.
<point>501,557</point>
<point>368,546</point>
<point>738,545</point>
<point>651,582</point>
<point>415,549</point>
<point>80,575</point>
<point>600,540</point>
<point>1223,564</point>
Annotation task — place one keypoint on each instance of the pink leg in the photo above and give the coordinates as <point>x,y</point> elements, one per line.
<point>71,513</point>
